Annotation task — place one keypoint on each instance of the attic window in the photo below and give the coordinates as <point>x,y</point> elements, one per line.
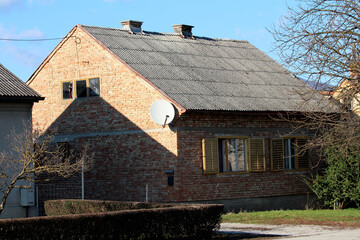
<point>67,89</point>
<point>83,88</point>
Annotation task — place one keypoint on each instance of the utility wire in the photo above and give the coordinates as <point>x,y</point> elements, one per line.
<point>28,40</point>
<point>31,40</point>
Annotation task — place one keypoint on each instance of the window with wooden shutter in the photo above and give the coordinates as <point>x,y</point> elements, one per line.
<point>257,155</point>
<point>289,154</point>
<point>277,154</point>
<point>210,155</point>
<point>304,155</point>
<point>233,154</point>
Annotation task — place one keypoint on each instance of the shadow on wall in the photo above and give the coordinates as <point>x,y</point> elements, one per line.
<point>130,164</point>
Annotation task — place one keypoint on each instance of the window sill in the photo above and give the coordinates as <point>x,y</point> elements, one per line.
<point>295,171</point>
<point>232,173</point>
<point>79,98</point>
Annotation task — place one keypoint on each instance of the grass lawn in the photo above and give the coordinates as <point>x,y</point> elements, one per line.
<point>341,218</point>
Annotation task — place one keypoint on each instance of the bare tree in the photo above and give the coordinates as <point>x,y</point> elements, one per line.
<point>34,157</point>
<point>319,41</point>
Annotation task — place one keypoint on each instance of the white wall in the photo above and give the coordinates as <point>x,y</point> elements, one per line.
<point>12,116</point>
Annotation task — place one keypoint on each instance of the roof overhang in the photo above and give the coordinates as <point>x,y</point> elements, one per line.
<point>20,99</point>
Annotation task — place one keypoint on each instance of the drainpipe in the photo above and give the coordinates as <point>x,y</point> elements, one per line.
<point>147,193</point>
<point>82,181</point>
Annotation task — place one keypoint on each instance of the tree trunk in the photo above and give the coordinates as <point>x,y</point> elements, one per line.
<point>6,195</point>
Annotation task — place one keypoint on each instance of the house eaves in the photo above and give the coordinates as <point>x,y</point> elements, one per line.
<point>12,89</point>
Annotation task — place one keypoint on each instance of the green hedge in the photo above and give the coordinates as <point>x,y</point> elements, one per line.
<point>172,222</point>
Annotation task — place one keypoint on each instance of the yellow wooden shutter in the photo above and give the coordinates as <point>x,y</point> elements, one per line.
<point>277,154</point>
<point>257,155</point>
<point>210,155</point>
<point>304,155</point>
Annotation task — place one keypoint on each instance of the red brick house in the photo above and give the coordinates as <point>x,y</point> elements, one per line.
<point>223,145</point>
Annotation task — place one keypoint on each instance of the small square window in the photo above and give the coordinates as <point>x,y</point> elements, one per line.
<point>81,88</point>
<point>67,90</point>
<point>94,87</point>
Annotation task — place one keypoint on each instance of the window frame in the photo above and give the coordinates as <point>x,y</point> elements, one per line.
<point>62,90</point>
<point>74,88</point>
<point>226,151</point>
<point>211,155</point>
<point>64,149</point>
<point>278,162</point>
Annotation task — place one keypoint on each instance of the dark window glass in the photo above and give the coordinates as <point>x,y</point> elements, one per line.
<point>221,155</point>
<point>290,153</point>
<point>63,149</point>
<point>81,88</point>
<point>67,90</point>
<point>94,87</point>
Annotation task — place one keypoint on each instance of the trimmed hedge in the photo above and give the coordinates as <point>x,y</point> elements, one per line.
<point>176,221</point>
<point>74,206</point>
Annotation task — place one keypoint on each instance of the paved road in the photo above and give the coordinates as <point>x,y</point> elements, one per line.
<point>298,232</point>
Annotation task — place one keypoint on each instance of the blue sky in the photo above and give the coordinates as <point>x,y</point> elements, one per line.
<point>43,19</point>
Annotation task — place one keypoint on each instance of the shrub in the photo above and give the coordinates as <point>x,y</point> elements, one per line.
<point>339,184</point>
<point>73,206</point>
<point>189,221</point>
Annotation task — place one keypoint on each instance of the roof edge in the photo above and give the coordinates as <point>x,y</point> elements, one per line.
<point>173,34</point>
<point>133,70</point>
<point>48,58</point>
<point>20,99</point>
<point>292,113</point>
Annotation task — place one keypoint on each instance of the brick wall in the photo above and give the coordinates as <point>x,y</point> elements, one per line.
<point>193,185</point>
<point>132,153</point>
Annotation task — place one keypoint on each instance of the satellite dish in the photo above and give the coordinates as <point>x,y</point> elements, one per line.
<point>162,112</point>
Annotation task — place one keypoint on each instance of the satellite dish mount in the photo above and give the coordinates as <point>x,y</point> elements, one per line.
<point>162,112</point>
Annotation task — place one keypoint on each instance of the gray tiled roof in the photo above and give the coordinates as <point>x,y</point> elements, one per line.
<point>209,74</point>
<point>12,88</point>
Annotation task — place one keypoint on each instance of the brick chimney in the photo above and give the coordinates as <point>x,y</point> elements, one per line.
<point>132,26</point>
<point>183,30</point>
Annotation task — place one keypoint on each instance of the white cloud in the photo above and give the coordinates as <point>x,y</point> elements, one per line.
<point>4,3</point>
<point>25,53</point>
<point>253,34</point>
<point>25,34</point>
<point>31,34</point>
<point>25,56</point>
<point>7,5</point>
<point>117,0</point>
<point>42,2</point>
<point>6,33</point>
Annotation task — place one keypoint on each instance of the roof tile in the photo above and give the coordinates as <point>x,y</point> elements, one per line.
<point>210,74</point>
<point>12,88</point>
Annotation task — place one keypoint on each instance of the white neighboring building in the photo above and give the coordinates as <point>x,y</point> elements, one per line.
<point>16,101</point>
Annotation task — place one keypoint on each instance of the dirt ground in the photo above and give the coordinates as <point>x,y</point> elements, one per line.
<point>299,232</point>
